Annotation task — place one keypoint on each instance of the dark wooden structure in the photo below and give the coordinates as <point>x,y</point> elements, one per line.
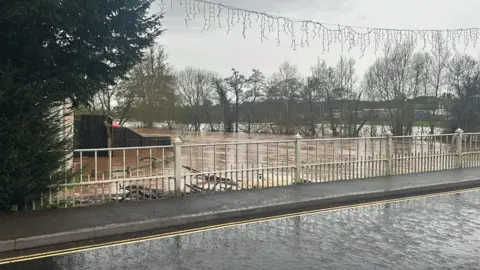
<point>96,131</point>
<point>91,132</point>
<point>125,137</point>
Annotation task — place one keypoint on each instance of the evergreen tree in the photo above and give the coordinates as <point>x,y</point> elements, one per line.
<point>54,50</point>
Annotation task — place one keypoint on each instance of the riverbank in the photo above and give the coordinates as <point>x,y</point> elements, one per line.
<point>24,230</point>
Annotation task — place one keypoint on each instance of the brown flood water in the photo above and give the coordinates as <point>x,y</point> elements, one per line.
<point>254,160</point>
<point>237,151</point>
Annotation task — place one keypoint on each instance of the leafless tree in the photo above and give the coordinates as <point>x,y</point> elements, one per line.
<point>125,98</point>
<point>352,121</point>
<point>148,94</point>
<point>341,101</point>
<point>105,97</point>
<point>394,79</point>
<point>327,81</point>
<point>236,83</point>
<point>310,95</point>
<point>195,88</point>
<point>255,91</point>
<point>224,104</point>
<point>285,86</point>
<point>463,81</point>
<point>438,62</point>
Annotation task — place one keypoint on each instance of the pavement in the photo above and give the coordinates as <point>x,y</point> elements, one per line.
<point>33,229</point>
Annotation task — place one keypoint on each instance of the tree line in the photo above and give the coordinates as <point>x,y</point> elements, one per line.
<point>399,84</point>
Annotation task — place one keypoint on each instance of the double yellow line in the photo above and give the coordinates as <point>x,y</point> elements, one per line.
<point>219,226</point>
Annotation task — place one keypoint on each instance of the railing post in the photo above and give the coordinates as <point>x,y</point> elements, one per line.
<point>298,161</point>
<point>177,145</point>
<point>458,141</point>
<point>389,153</point>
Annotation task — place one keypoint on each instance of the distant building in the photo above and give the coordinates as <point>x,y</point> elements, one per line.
<point>441,112</point>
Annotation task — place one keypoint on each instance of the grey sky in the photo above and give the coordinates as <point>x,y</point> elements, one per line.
<point>218,51</point>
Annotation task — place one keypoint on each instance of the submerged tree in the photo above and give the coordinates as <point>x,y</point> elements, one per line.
<point>438,61</point>
<point>236,83</point>
<point>310,94</point>
<point>395,79</point>
<point>285,86</point>
<point>224,102</point>
<point>464,85</point>
<point>194,89</point>
<point>254,93</point>
<point>327,82</point>
<point>150,86</point>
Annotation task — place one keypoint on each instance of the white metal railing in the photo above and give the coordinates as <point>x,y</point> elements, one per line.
<point>141,173</point>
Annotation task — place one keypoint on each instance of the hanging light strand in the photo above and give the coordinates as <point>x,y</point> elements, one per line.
<point>349,37</point>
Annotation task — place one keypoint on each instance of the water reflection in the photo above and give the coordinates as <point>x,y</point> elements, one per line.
<point>440,232</point>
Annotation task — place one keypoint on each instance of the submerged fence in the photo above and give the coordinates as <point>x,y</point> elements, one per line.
<point>144,173</point>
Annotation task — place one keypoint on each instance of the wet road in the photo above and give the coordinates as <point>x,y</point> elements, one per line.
<point>432,233</point>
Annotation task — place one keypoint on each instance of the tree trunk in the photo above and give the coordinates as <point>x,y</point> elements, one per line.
<point>209,120</point>
<point>313,128</point>
<point>236,112</point>
<point>149,124</point>
<point>249,127</point>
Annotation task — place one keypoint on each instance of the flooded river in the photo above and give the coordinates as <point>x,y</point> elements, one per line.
<point>431,233</point>
<point>255,160</point>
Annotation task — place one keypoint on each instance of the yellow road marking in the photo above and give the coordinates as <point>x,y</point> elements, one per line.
<point>219,226</point>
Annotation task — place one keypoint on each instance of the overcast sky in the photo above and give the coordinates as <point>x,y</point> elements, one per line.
<point>218,51</point>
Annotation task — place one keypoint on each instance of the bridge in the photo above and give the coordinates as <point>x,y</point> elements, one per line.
<point>314,173</point>
<point>182,169</point>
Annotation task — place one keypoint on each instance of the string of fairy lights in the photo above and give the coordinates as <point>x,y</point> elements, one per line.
<point>302,33</point>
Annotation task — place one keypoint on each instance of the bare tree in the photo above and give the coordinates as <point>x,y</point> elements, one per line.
<point>155,87</point>
<point>236,83</point>
<point>354,118</point>
<point>125,98</point>
<point>349,100</point>
<point>285,85</point>
<point>195,88</point>
<point>394,79</point>
<point>464,85</point>
<point>336,90</point>
<point>437,73</point>
<point>255,91</point>
<point>327,81</point>
<point>224,103</point>
<point>105,97</point>
<point>310,94</point>
<point>148,94</point>
<point>419,84</point>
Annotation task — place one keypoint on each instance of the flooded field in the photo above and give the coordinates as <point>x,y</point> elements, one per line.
<point>218,161</point>
<point>213,151</point>
<point>265,128</point>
